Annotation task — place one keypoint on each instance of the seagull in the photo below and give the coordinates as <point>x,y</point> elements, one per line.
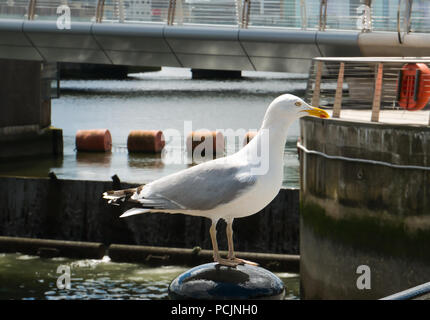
<point>230,187</point>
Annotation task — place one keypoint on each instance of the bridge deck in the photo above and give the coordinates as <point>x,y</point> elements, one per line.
<point>280,36</point>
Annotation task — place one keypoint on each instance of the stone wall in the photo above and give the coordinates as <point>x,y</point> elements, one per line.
<point>354,213</point>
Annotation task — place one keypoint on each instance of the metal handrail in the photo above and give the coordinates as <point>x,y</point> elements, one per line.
<point>304,14</point>
<point>370,81</point>
<point>100,10</point>
<point>246,9</point>
<point>406,19</point>
<point>31,9</point>
<point>171,12</point>
<point>323,15</point>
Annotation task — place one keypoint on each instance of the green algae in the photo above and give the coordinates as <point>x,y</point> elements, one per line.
<point>367,233</point>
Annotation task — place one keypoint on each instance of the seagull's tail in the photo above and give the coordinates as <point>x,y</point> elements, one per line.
<point>134,211</point>
<point>117,197</point>
<point>120,197</point>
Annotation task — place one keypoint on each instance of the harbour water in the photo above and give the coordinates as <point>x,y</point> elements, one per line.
<point>165,100</point>
<point>162,100</point>
<point>33,278</point>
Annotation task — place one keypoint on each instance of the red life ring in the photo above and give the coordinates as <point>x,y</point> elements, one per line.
<point>412,90</point>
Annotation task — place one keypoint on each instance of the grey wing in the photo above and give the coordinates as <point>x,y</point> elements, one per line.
<point>202,187</point>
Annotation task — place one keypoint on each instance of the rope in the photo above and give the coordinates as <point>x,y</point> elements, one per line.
<point>375,162</point>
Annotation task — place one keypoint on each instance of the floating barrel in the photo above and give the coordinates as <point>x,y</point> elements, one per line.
<point>94,140</point>
<point>195,138</point>
<point>248,137</point>
<point>413,86</point>
<point>151,141</point>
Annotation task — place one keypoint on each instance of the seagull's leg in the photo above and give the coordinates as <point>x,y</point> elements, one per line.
<point>231,256</point>
<point>212,232</point>
<point>216,255</point>
<point>229,232</point>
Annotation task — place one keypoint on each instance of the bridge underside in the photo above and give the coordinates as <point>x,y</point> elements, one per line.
<point>160,45</point>
<point>200,47</point>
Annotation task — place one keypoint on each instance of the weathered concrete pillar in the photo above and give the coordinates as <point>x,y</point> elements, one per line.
<point>362,214</point>
<point>25,108</point>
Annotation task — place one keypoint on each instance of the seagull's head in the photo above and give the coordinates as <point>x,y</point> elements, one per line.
<point>292,107</point>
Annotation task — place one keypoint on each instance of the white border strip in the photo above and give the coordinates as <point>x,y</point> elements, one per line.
<point>381,163</point>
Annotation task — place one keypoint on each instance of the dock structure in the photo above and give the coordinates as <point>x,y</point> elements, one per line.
<point>216,39</point>
<point>364,189</point>
<point>25,106</point>
<point>51,208</point>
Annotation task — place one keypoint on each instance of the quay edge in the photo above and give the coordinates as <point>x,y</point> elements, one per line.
<point>355,213</point>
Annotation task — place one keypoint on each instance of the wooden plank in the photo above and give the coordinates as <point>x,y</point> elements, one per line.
<point>338,97</point>
<point>376,106</point>
<point>316,94</point>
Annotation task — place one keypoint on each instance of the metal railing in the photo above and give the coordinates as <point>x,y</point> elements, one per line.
<point>402,16</point>
<point>362,83</point>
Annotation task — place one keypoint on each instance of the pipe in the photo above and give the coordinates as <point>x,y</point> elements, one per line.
<point>53,248</point>
<point>192,257</point>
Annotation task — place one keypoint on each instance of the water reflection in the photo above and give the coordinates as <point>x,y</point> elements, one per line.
<point>157,101</point>
<point>145,160</point>
<point>94,158</point>
<point>31,167</point>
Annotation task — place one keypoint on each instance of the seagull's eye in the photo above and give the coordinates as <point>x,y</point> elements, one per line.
<point>298,103</point>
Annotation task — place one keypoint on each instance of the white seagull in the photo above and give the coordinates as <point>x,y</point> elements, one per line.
<point>226,188</point>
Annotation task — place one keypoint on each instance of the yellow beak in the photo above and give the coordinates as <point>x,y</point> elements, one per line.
<point>317,112</point>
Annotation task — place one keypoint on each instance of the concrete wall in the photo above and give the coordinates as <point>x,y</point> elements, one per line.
<point>25,112</point>
<point>356,214</point>
<point>21,102</point>
<point>43,142</point>
<point>74,210</point>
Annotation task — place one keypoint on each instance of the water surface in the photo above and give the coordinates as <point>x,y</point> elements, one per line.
<point>34,278</point>
<point>162,100</point>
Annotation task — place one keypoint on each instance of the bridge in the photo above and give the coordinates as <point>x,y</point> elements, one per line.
<point>260,35</point>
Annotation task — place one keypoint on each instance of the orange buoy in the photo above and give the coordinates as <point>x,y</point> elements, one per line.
<point>413,92</point>
<point>248,137</point>
<point>196,138</point>
<point>94,140</point>
<point>151,141</point>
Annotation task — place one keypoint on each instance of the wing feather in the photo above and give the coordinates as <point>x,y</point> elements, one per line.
<point>202,187</point>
